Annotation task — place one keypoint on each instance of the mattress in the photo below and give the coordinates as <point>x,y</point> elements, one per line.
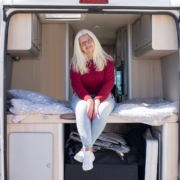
<point>151,111</point>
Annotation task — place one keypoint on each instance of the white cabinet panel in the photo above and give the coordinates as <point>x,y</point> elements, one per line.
<point>137,35</point>
<point>30,156</point>
<point>146,30</point>
<point>34,30</point>
<point>19,33</point>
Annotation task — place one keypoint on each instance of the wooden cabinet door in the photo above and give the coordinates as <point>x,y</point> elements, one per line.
<point>137,35</point>
<point>30,156</point>
<point>146,30</point>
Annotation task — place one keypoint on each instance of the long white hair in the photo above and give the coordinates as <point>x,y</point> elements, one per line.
<point>80,58</point>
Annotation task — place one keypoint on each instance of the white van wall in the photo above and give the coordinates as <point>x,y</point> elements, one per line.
<point>48,74</point>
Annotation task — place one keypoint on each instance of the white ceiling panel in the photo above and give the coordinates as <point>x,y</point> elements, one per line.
<point>108,24</point>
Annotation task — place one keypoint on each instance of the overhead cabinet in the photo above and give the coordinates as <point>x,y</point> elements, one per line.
<point>154,36</point>
<point>24,37</point>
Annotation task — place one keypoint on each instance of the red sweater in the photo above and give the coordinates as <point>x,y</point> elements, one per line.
<point>99,83</point>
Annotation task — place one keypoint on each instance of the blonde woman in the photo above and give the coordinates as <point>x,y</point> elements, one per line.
<point>92,78</point>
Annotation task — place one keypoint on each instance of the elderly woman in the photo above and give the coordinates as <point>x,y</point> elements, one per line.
<point>92,78</point>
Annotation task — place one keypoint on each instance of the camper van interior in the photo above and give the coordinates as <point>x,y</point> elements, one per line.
<point>39,51</point>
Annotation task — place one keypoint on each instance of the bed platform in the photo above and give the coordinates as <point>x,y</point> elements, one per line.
<point>53,124</point>
<point>49,119</point>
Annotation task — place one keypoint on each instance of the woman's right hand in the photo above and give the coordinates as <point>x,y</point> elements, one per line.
<point>90,108</point>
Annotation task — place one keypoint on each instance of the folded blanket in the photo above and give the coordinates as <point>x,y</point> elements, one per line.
<point>152,111</point>
<point>112,137</point>
<point>22,108</point>
<point>111,141</point>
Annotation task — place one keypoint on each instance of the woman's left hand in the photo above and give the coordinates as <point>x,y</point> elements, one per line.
<point>96,107</point>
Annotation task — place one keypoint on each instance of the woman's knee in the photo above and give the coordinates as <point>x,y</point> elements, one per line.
<point>77,103</point>
<point>81,105</point>
<point>106,106</point>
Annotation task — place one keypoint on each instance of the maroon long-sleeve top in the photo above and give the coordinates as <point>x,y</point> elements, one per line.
<point>99,83</point>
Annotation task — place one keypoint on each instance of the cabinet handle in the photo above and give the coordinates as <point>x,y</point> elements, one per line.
<point>35,38</point>
<point>48,165</point>
<point>145,39</point>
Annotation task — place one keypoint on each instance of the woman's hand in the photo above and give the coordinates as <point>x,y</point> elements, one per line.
<point>96,107</point>
<point>90,107</point>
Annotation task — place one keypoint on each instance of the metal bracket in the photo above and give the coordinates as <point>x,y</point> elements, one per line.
<point>179,15</point>
<point>5,9</point>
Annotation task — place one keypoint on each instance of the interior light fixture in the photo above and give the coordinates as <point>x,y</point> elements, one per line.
<point>63,16</point>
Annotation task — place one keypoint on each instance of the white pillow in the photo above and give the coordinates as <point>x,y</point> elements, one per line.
<point>22,107</point>
<point>31,96</point>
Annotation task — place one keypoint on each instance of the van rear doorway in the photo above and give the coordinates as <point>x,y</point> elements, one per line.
<point>145,52</point>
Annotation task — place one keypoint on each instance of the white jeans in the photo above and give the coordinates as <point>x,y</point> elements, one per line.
<point>89,130</point>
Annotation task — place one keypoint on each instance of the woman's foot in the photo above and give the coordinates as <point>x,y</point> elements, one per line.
<point>88,160</point>
<point>80,155</point>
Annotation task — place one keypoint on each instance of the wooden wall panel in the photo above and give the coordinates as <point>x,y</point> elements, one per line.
<point>146,79</point>
<point>170,77</point>
<point>47,74</point>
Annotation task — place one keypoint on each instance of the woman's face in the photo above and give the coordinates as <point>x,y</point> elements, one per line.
<point>87,44</point>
